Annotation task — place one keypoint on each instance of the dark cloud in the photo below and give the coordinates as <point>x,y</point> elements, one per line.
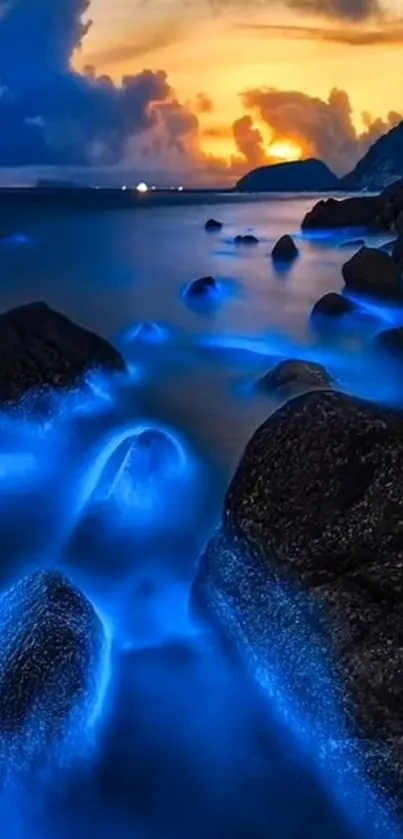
<point>55,115</point>
<point>348,10</point>
<point>249,141</point>
<point>322,128</point>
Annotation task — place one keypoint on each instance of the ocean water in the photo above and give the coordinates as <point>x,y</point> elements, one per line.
<point>121,486</point>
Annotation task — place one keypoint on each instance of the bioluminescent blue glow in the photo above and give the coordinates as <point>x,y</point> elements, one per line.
<point>147,332</point>
<point>54,660</point>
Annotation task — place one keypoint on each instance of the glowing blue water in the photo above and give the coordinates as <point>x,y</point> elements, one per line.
<point>121,483</point>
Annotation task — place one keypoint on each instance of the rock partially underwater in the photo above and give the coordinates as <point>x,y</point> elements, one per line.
<point>41,349</point>
<point>296,375</point>
<point>52,662</point>
<point>315,508</point>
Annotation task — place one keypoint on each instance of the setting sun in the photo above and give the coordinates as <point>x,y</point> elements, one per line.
<point>285,150</point>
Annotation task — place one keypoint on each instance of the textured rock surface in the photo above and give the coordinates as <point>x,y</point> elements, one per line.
<point>373,272</point>
<point>317,500</point>
<point>295,374</point>
<point>285,250</point>
<point>333,305</point>
<point>51,657</point>
<point>40,348</point>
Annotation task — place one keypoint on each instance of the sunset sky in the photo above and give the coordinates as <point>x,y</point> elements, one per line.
<point>232,84</point>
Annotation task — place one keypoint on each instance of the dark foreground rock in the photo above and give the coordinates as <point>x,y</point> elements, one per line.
<point>41,348</point>
<point>212,225</point>
<point>285,250</point>
<point>295,375</point>
<point>397,251</point>
<point>352,243</point>
<point>373,272</point>
<point>51,658</point>
<point>309,558</point>
<point>332,305</point>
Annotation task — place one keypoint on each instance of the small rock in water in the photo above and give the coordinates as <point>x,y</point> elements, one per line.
<point>296,374</point>
<point>201,287</point>
<point>247,239</point>
<point>213,224</point>
<point>148,332</point>
<point>333,305</point>
<point>52,656</point>
<point>285,250</point>
<point>373,272</point>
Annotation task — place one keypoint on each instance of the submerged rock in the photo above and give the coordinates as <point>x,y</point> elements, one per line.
<point>213,224</point>
<point>42,349</point>
<point>333,305</point>
<point>247,239</point>
<point>316,504</point>
<point>391,341</point>
<point>296,374</point>
<point>201,287</point>
<point>373,272</point>
<point>285,250</point>
<point>52,654</point>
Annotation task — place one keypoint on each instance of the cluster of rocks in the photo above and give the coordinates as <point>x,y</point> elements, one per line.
<point>377,213</point>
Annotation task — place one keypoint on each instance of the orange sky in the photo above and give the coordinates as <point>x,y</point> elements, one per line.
<point>223,54</point>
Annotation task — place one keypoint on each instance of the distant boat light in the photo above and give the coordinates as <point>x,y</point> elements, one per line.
<point>142,187</point>
<point>180,188</point>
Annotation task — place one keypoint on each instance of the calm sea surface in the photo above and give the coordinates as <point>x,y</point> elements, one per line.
<point>180,753</point>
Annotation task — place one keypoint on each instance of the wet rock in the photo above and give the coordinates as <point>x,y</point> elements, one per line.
<point>399,223</point>
<point>201,287</point>
<point>212,225</point>
<point>285,250</point>
<point>349,212</point>
<point>373,272</point>
<point>352,243</point>
<point>42,349</point>
<point>333,305</point>
<point>296,375</point>
<point>315,508</point>
<point>247,239</point>
<point>51,658</point>
<point>388,246</point>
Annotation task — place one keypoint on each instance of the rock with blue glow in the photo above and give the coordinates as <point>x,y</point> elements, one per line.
<point>316,508</point>
<point>373,272</point>
<point>285,250</point>
<point>296,375</point>
<point>332,305</point>
<point>41,349</point>
<point>52,656</point>
<point>202,287</point>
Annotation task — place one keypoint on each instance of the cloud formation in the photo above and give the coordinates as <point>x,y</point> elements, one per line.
<point>352,36</point>
<point>322,128</point>
<point>57,116</point>
<point>348,10</point>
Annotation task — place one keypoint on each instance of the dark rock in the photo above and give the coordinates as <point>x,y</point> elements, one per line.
<point>388,246</point>
<point>285,250</point>
<point>294,176</point>
<point>52,654</point>
<point>201,287</point>
<point>399,224</point>
<point>316,504</point>
<point>373,272</point>
<point>348,212</point>
<point>390,341</point>
<point>352,243</point>
<point>248,239</point>
<point>42,349</point>
<point>212,224</point>
<point>381,166</point>
<point>333,305</point>
<point>397,251</point>
<point>296,374</point>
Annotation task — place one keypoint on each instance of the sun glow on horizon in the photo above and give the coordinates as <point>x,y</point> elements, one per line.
<point>285,150</point>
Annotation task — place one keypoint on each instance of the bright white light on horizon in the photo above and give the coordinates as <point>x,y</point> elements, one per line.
<point>180,188</point>
<point>124,188</point>
<point>142,187</point>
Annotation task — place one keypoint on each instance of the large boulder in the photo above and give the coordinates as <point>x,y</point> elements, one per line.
<point>349,212</point>
<point>285,250</point>
<point>42,349</point>
<point>373,272</point>
<point>52,661</point>
<point>296,375</point>
<point>315,509</point>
